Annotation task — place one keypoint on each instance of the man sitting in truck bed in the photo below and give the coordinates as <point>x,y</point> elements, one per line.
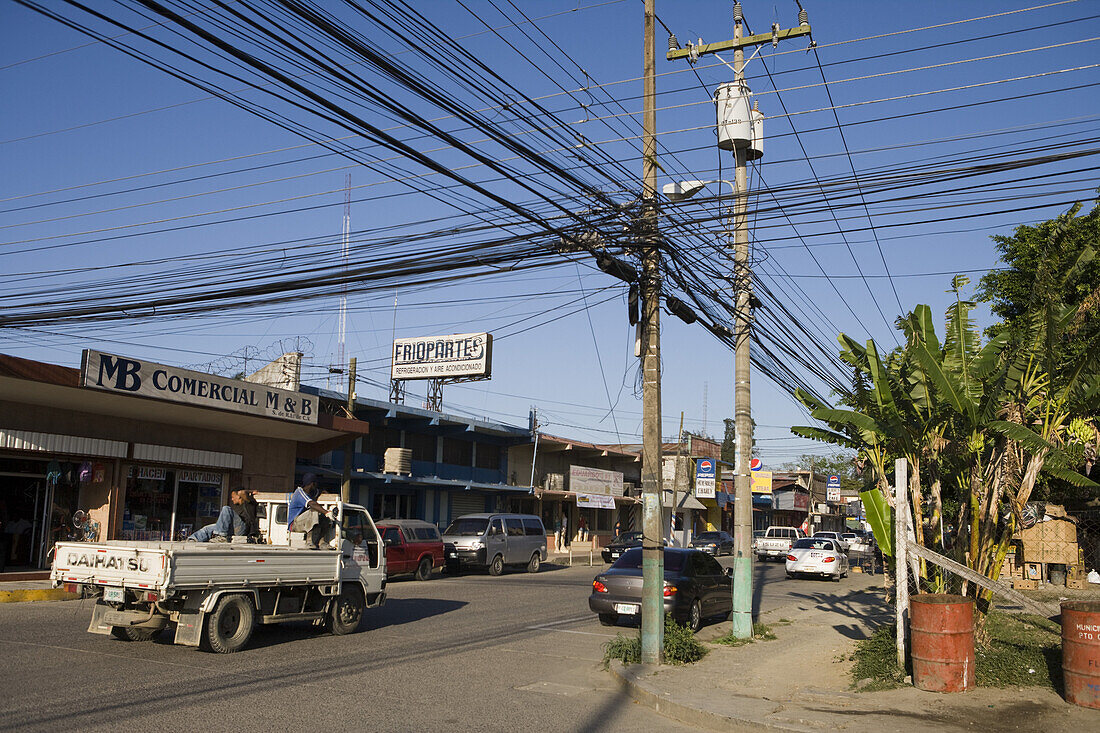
<point>304,514</point>
<point>228,523</point>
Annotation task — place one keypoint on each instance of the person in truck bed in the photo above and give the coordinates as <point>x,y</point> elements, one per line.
<point>229,522</point>
<point>304,514</point>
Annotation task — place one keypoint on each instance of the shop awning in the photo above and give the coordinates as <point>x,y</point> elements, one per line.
<point>683,501</point>
<point>430,481</point>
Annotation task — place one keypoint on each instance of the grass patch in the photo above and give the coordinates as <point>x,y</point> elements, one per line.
<point>876,660</point>
<point>680,646</point>
<point>1022,651</point>
<point>760,632</point>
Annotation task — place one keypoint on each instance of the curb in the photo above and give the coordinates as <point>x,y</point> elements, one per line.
<point>626,679</point>
<point>37,594</point>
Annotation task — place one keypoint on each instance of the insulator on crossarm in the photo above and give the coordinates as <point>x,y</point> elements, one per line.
<point>673,44</point>
<point>803,17</point>
<point>738,14</point>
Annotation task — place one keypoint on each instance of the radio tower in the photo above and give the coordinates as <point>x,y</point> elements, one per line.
<point>344,242</point>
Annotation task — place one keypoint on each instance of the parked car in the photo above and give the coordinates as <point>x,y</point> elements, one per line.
<point>817,556</point>
<point>616,547</point>
<point>851,538</point>
<point>412,546</point>
<point>494,541</point>
<point>696,587</point>
<point>713,543</point>
<point>776,542</point>
<point>836,537</point>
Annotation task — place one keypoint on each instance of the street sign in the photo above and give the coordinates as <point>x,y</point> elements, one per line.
<point>705,473</point>
<point>755,464</point>
<point>832,489</point>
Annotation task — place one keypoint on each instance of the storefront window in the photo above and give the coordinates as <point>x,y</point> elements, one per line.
<point>147,514</point>
<point>198,501</point>
<point>394,506</point>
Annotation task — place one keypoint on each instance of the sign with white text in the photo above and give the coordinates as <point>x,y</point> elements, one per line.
<point>138,378</point>
<point>706,471</point>
<point>442,357</point>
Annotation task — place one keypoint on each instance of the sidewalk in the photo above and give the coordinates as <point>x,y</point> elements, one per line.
<point>17,591</point>
<point>800,681</point>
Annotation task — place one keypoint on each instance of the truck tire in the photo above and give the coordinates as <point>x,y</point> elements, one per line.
<point>424,569</point>
<point>535,563</point>
<point>346,611</point>
<point>131,633</point>
<point>496,567</point>
<point>229,626</point>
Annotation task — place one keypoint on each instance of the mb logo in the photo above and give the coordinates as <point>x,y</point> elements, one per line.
<point>124,372</point>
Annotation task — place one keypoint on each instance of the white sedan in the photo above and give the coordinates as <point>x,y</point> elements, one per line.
<point>817,556</point>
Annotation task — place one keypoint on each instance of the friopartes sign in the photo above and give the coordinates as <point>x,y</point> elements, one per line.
<point>135,377</point>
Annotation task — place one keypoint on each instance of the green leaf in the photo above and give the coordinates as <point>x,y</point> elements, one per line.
<point>880,516</point>
<point>825,436</point>
<point>1070,477</point>
<point>880,379</point>
<point>945,383</point>
<point>858,420</point>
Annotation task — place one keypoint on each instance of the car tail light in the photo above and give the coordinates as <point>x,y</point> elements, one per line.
<point>151,596</point>
<point>792,558</point>
<point>598,587</point>
<point>670,591</point>
<point>830,559</point>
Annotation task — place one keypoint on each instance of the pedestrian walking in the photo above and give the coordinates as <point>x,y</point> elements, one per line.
<point>582,528</point>
<point>564,531</point>
<point>618,528</point>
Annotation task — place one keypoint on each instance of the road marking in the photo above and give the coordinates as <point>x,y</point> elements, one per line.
<point>567,631</point>
<point>562,621</point>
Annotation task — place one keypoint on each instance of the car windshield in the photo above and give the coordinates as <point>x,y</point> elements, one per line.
<point>467,526</point>
<point>707,536</point>
<point>813,543</point>
<point>632,560</point>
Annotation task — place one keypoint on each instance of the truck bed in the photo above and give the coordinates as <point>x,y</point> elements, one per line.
<point>183,565</point>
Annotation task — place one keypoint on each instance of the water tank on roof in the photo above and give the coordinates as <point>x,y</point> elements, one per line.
<point>734,116</point>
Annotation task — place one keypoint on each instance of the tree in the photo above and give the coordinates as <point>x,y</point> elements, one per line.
<point>978,424</point>
<point>729,442</point>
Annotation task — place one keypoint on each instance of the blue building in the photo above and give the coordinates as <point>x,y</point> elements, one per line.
<point>459,465</point>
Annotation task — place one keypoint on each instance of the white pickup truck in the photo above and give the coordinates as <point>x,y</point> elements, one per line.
<point>776,542</point>
<point>215,593</point>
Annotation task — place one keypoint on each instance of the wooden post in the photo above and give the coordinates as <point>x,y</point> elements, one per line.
<point>901,555</point>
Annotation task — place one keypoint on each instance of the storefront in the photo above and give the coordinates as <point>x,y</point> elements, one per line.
<point>110,461</point>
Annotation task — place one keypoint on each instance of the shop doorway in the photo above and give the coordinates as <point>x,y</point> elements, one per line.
<point>37,501</point>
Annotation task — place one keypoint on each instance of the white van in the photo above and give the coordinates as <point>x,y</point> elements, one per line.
<point>493,541</point>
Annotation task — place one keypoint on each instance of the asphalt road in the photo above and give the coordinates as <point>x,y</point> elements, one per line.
<point>516,652</point>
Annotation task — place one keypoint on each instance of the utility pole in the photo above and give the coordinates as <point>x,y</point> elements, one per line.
<point>653,557</point>
<point>742,505</point>
<point>349,449</point>
<point>810,503</point>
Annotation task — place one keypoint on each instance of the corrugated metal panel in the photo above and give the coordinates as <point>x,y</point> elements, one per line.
<point>185,456</point>
<point>53,443</point>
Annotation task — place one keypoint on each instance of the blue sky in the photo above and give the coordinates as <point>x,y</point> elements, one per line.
<point>83,124</point>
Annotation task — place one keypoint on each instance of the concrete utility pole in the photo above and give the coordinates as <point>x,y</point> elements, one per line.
<point>653,557</point>
<point>349,449</point>
<point>742,505</point>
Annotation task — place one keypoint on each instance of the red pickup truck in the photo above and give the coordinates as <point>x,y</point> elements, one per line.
<point>412,547</point>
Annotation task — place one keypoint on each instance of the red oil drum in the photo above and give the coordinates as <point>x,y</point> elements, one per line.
<point>1081,652</point>
<point>942,643</point>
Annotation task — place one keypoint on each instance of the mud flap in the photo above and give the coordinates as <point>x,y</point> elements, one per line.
<point>97,626</point>
<point>189,628</point>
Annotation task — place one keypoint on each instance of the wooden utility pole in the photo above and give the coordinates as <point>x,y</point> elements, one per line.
<point>349,449</point>
<point>653,558</point>
<point>742,505</point>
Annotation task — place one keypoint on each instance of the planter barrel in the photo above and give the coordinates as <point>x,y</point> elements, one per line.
<point>1081,652</point>
<point>942,637</point>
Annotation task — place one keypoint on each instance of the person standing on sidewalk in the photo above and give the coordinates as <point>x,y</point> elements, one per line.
<point>582,528</point>
<point>564,531</point>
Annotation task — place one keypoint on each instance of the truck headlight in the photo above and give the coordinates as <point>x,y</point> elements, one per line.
<point>476,545</point>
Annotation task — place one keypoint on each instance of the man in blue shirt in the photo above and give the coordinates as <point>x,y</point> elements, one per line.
<point>304,514</point>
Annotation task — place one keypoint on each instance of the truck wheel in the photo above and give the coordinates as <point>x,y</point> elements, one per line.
<point>131,633</point>
<point>424,570</point>
<point>496,567</point>
<point>535,563</point>
<point>229,625</point>
<point>347,611</point>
